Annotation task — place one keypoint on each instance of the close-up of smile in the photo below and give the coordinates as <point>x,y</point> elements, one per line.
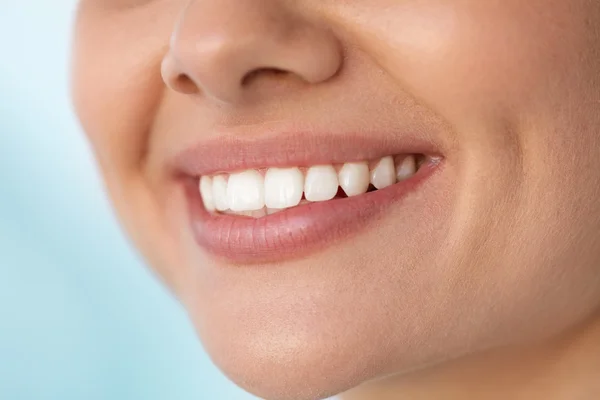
<point>298,203</point>
<point>364,198</point>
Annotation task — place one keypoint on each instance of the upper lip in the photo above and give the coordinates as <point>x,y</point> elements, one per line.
<point>230,153</point>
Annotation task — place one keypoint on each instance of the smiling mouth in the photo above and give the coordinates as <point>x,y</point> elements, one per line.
<point>256,193</point>
<point>271,200</point>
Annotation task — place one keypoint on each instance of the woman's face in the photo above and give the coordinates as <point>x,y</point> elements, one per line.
<point>493,241</point>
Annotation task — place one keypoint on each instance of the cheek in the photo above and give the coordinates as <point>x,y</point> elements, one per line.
<point>501,73</point>
<point>116,83</point>
<point>117,89</point>
<point>469,59</point>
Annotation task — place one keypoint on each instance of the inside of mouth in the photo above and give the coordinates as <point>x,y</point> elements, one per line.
<point>342,195</point>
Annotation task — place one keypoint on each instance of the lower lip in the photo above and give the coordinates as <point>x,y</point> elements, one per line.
<point>294,232</point>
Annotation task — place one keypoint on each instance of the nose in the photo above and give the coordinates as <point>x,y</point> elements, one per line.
<point>224,49</point>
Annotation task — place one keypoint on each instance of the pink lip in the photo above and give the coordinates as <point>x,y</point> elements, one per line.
<point>231,153</point>
<point>297,231</point>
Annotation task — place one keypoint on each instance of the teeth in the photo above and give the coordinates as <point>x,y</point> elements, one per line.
<point>206,191</point>
<point>253,214</point>
<point>406,169</point>
<point>321,183</point>
<point>220,193</point>
<point>384,174</point>
<point>354,178</point>
<point>246,191</point>
<point>283,187</point>
<point>257,194</point>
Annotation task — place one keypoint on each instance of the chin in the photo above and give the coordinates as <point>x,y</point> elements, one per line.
<point>277,364</point>
<point>307,346</point>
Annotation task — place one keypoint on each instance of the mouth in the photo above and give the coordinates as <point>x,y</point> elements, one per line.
<point>247,206</point>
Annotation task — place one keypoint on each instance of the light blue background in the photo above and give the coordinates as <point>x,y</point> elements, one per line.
<point>80,317</point>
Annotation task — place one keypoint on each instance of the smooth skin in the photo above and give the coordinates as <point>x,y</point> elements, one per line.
<point>484,283</point>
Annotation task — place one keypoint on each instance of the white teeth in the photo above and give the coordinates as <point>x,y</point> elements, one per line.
<point>256,194</point>
<point>246,191</point>
<point>321,183</point>
<point>283,187</point>
<point>406,169</point>
<point>384,174</point>
<point>206,192</point>
<point>354,178</point>
<point>219,186</point>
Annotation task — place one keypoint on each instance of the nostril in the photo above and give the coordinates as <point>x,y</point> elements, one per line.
<point>174,77</point>
<point>185,84</point>
<point>271,72</point>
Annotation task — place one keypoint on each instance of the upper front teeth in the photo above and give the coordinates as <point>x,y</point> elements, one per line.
<point>219,188</point>
<point>283,187</point>
<point>321,183</point>
<point>280,188</point>
<point>246,191</point>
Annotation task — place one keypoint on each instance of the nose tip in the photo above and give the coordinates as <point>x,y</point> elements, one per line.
<point>219,47</point>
